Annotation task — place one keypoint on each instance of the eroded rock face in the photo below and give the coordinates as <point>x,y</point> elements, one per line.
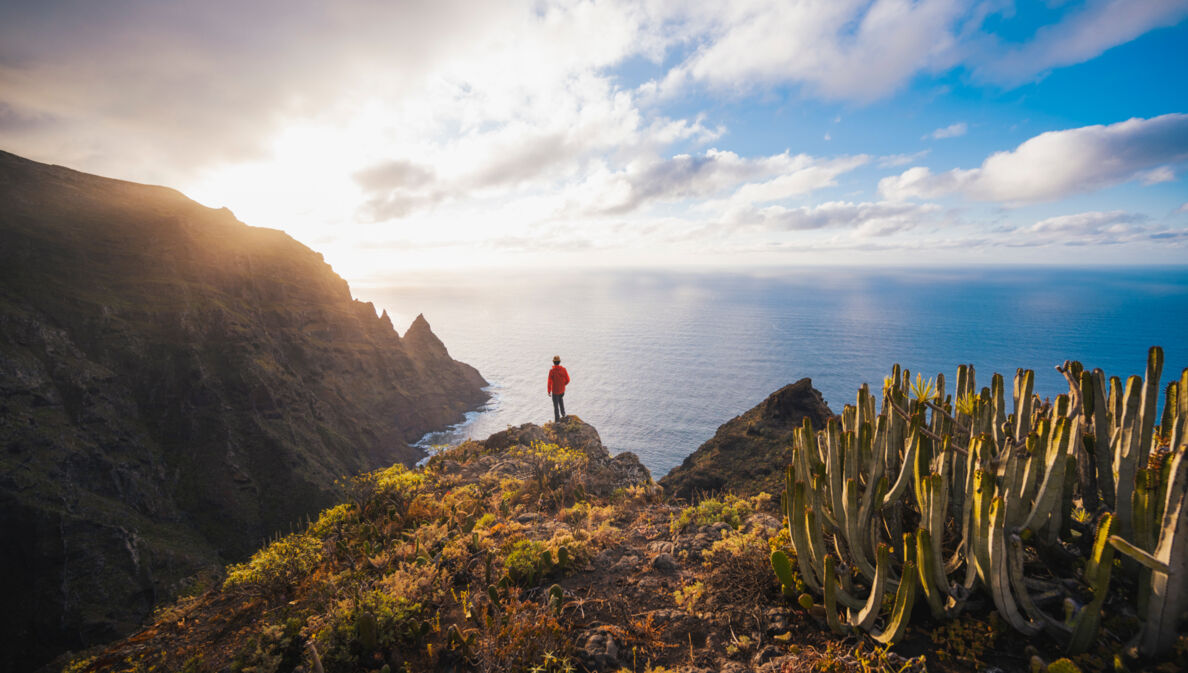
<point>176,386</point>
<point>748,453</point>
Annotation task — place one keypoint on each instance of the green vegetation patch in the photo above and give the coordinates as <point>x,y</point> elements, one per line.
<point>277,567</point>
<point>729,509</point>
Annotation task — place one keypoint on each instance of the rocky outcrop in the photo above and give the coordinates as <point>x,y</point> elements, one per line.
<point>748,453</point>
<point>176,386</point>
<point>602,475</point>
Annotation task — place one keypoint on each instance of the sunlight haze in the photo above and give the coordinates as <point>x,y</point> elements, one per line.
<point>451,135</point>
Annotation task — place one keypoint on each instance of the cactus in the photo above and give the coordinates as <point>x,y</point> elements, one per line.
<point>367,631</point>
<point>865,618</point>
<point>463,643</point>
<point>831,617</point>
<point>1004,481</point>
<point>905,598</point>
<point>1169,586</point>
<point>1097,575</point>
<point>783,570</point>
<point>556,596</point>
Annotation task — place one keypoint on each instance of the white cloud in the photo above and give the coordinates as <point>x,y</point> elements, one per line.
<point>841,49</point>
<point>894,160</point>
<point>1100,25</point>
<point>1057,164</point>
<point>1083,225</point>
<point>865,219</point>
<point>193,84</point>
<point>1094,228</point>
<point>486,124</point>
<point>800,174</point>
<point>950,131</point>
<point>713,174</point>
<point>864,50</point>
<point>1156,175</point>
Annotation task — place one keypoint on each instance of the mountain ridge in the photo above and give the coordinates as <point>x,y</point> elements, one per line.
<point>176,386</point>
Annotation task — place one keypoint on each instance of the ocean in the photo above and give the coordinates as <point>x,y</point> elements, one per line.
<point>660,359</point>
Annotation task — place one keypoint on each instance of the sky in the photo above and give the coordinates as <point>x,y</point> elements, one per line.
<point>441,134</point>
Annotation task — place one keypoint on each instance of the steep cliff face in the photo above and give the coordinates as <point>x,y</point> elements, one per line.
<point>748,453</point>
<point>175,386</point>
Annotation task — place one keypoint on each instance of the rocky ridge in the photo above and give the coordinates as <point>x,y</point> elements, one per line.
<point>748,453</point>
<point>176,386</point>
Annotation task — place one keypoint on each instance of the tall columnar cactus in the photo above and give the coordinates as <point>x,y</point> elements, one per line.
<point>985,488</point>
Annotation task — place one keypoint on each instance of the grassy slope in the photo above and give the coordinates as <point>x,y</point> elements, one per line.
<point>384,579</point>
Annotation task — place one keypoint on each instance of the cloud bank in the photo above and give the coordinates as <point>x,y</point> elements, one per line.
<point>499,124</point>
<point>1058,164</point>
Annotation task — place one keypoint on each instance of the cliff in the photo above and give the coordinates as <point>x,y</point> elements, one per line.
<point>175,386</point>
<point>747,454</point>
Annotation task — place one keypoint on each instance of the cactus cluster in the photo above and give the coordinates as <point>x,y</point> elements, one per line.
<point>953,498</point>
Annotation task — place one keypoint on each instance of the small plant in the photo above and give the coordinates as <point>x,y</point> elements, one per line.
<point>79,665</point>
<point>965,641</point>
<point>525,563</point>
<point>333,519</point>
<point>277,648</point>
<point>576,514</point>
<point>729,509</point>
<point>526,637</point>
<point>375,623</point>
<point>688,596</point>
<point>389,491</point>
<point>552,466</point>
<point>738,644</point>
<point>924,389</point>
<point>739,570</point>
<point>276,567</point>
<point>967,404</point>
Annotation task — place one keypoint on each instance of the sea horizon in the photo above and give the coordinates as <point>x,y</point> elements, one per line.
<point>660,357</point>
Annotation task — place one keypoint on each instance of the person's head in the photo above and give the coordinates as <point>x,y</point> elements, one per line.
<point>556,359</point>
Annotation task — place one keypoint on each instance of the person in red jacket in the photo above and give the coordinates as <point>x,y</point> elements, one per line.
<point>558,378</point>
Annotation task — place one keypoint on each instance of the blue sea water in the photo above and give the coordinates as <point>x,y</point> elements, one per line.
<point>660,359</point>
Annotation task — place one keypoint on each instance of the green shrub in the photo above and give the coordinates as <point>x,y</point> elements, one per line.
<point>552,466</point>
<point>332,519</point>
<point>372,627</point>
<point>389,490</point>
<point>523,562</point>
<point>687,596</point>
<point>738,570</point>
<point>277,567</point>
<point>730,509</point>
<point>277,648</point>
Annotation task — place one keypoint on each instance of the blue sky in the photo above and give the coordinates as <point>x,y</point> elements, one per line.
<point>438,135</point>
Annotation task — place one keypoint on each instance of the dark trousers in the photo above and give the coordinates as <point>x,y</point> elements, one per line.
<point>558,406</point>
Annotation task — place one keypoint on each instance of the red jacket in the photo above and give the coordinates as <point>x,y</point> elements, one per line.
<point>558,377</point>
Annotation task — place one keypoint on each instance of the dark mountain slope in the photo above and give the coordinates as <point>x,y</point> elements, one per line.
<point>174,387</point>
